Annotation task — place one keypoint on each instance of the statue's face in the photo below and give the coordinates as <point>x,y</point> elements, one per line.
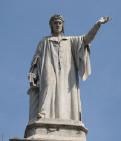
<point>57,27</point>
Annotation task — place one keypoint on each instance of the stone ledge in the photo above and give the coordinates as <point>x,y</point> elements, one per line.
<point>57,123</point>
<point>41,139</point>
<point>54,130</point>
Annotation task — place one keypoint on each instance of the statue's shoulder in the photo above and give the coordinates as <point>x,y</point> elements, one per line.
<point>42,41</point>
<point>46,38</point>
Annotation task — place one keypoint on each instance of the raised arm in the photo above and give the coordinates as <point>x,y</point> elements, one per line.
<point>91,34</point>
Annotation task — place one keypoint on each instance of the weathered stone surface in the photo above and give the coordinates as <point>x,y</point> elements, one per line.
<point>54,130</point>
<point>54,85</point>
<point>23,139</point>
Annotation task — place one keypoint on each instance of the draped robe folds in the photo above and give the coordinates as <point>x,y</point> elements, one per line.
<point>56,65</point>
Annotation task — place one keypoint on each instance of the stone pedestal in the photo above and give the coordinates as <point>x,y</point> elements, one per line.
<point>54,130</point>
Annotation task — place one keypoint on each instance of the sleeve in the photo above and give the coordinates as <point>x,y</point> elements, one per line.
<point>81,54</point>
<point>33,76</point>
<point>33,73</point>
<point>91,34</point>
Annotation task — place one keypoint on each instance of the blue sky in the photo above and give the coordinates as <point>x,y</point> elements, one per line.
<point>23,23</point>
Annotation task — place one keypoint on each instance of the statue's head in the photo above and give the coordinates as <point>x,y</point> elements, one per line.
<point>56,24</point>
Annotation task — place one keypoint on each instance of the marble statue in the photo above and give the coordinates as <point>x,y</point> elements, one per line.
<point>55,69</point>
<point>55,106</point>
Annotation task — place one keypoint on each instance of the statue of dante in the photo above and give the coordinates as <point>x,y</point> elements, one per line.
<point>55,69</point>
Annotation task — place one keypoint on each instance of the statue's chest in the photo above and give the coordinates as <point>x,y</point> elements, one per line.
<point>62,47</point>
<point>61,52</point>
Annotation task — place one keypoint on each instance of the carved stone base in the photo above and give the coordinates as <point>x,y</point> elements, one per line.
<point>54,130</point>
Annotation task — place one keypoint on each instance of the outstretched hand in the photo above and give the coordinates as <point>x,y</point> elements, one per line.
<point>104,20</point>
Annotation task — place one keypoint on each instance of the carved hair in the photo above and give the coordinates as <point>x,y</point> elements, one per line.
<point>53,18</point>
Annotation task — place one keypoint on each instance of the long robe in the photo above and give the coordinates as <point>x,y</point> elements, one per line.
<point>56,65</point>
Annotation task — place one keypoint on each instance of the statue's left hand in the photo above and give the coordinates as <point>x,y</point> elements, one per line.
<point>104,20</point>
